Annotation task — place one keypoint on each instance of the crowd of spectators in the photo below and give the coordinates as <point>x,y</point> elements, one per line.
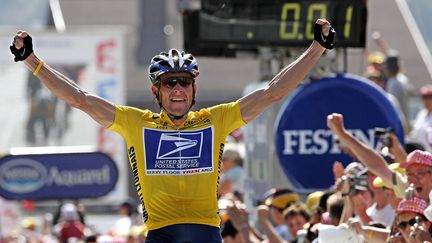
<point>376,198</point>
<point>384,195</point>
<point>69,223</point>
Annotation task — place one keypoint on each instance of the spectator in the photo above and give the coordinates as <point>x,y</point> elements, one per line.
<point>356,189</point>
<point>29,231</point>
<point>322,210</point>
<point>422,127</point>
<point>375,65</point>
<point>232,173</point>
<point>418,167</point>
<point>387,191</point>
<point>271,213</point>
<point>397,83</point>
<point>418,163</point>
<point>335,205</point>
<point>296,216</point>
<point>409,213</point>
<point>376,77</point>
<point>313,200</point>
<point>123,225</point>
<point>70,227</point>
<point>381,209</point>
<point>80,209</point>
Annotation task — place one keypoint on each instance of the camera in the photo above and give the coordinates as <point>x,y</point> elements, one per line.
<point>383,135</point>
<point>355,184</point>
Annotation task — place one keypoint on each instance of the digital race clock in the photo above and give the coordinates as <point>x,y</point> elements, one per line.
<point>239,24</point>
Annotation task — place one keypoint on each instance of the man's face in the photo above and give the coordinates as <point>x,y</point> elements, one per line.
<point>420,176</point>
<point>176,92</point>
<point>403,224</point>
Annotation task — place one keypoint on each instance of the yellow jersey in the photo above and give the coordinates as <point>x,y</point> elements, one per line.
<point>176,168</point>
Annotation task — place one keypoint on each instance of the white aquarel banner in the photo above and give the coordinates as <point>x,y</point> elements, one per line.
<point>31,116</point>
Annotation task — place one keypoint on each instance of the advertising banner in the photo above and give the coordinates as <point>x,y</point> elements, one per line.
<point>305,146</point>
<point>57,176</point>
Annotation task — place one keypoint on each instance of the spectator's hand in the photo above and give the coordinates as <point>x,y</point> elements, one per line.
<point>360,205</point>
<point>397,149</point>
<point>22,46</point>
<point>376,37</point>
<point>338,170</point>
<point>419,234</point>
<point>336,123</point>
<point>238,215</point>
<point>263,213</point>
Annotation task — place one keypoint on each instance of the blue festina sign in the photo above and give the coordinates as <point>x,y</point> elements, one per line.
<point>57,176</point>
<point>306,147</point>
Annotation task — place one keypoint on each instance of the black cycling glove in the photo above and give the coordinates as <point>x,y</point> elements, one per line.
<point>326,42</point>
<point>25,51</point>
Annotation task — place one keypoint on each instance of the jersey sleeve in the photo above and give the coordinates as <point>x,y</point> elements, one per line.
<point>228,116</point>
<point>124,119</point>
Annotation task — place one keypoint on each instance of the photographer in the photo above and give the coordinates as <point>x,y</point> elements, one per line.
<point>354,188</point>
<point>418,164</point>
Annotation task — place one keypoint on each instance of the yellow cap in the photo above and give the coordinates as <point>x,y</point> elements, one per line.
<point>28,223</point>
<point>280,198</point>
<point>313,199</point>
<point>376,57</point>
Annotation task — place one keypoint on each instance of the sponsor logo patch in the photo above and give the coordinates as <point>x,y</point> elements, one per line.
<point>178,153</point>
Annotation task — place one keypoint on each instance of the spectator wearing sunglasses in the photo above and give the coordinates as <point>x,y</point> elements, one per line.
<point>175,155</point>
<point>410,215</point>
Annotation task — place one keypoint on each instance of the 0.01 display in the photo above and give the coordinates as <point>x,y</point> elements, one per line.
<point>251,23</point>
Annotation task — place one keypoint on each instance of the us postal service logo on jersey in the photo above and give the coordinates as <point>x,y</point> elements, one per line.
<point>178,153</point>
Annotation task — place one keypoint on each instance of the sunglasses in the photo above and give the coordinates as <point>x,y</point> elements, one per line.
<point>173,81</point>
<point>411,222</point>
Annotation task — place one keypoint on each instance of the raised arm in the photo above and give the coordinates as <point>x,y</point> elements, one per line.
<point>101,110</point>
<point>365,154</point>
<point>286,80</point>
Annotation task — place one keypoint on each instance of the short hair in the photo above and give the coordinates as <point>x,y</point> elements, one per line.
<point>231,152</point>
<point>335,205</point>
<point>297,208</point>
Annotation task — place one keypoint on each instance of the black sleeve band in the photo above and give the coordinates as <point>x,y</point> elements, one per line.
<point>394,179</point>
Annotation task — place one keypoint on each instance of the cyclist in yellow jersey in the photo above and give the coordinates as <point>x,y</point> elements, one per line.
<point>175,155</point>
